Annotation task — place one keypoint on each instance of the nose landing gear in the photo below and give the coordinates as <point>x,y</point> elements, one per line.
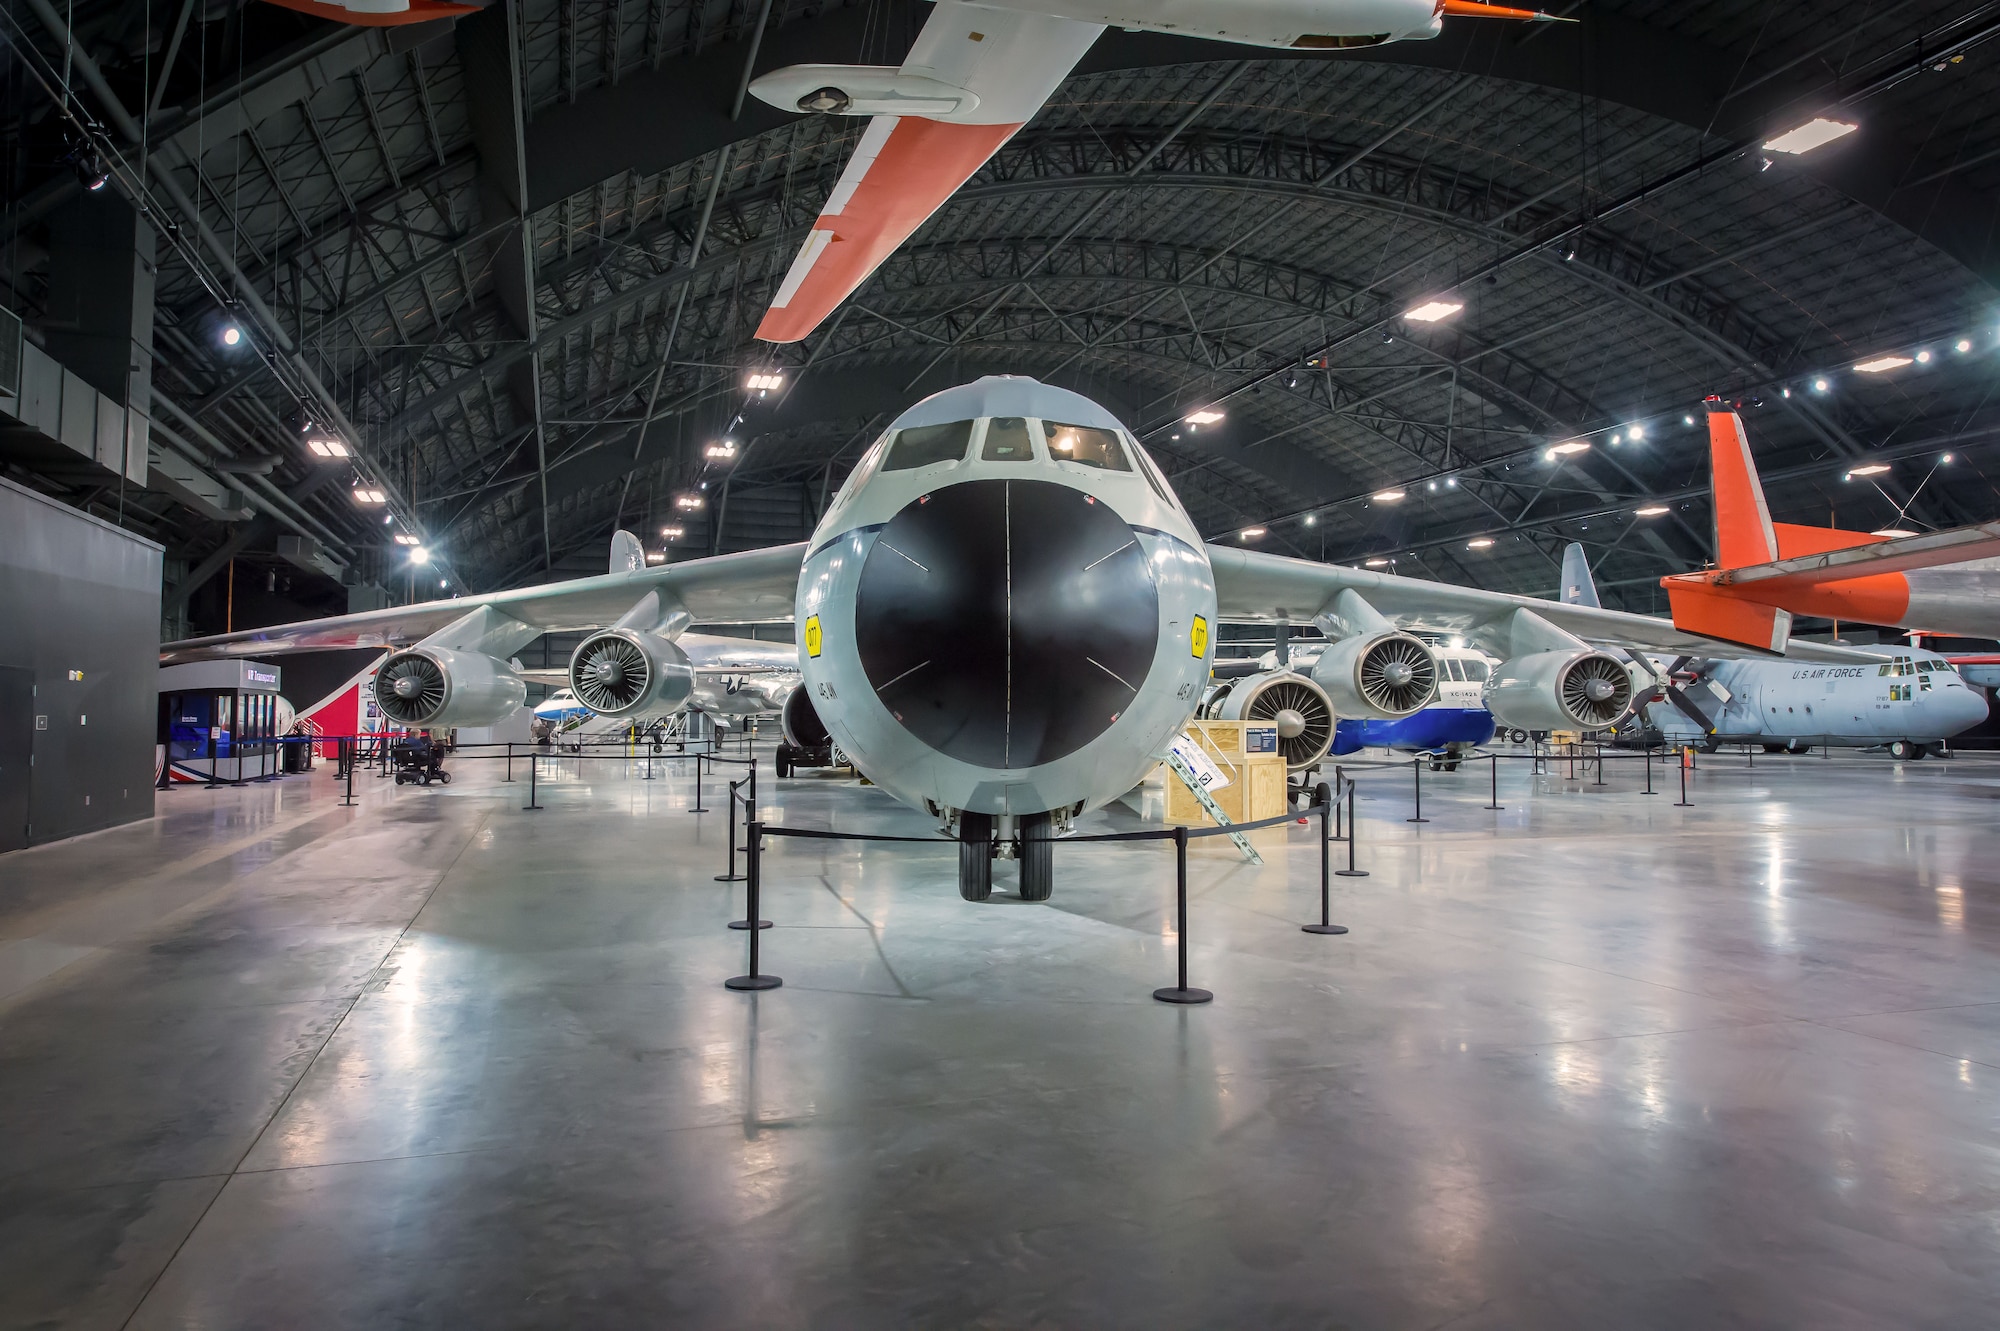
<point>1034,848</point>
<point>975,856</point>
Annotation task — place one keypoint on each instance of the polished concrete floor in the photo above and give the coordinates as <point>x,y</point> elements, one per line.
<point>1589,1061</point>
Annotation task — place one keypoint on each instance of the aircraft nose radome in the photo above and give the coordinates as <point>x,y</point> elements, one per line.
<point>1967,708</point>
<point>1006,623</point>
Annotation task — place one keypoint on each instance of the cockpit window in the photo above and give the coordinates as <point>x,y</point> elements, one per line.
<point>921,445</point>
<point>1007,441</point>
<point>1454,672</point>
<point>1475,671</point>
<point>1084,444</point>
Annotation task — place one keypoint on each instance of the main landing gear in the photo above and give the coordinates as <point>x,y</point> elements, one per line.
<point>1034,848</point>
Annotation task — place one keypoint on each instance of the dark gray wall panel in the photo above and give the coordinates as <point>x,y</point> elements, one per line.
<point>81,602</point>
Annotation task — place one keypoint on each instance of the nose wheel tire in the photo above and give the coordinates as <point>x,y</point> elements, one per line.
<point>975,856</point>
<point>1905,751</point>
<point>1038,857</point>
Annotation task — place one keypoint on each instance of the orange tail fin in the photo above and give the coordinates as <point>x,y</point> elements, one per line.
<point>1743,531</point>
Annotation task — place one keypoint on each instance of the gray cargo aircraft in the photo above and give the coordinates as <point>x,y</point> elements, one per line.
<point>1005,615</point>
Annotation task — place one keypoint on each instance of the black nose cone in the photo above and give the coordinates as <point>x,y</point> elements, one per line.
<point>1007,623</point>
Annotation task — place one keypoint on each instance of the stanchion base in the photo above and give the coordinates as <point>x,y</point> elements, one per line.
<point>1492,806</point>
<point>1184,996</point>
<point>1350,873</point>
<point>1416,820</point>
<point>694,810</point>
<point>751,982</point>
<point>1683,804</point>
<point>730,877</point>
<point>535,808</point>
<point>1322,928</point>
<point>745,924</point>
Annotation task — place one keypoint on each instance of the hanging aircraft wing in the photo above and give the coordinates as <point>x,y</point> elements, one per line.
<point>973,78</point>
<point>1897,554</point>
<point>757,585</point>
<point>1260,588</point>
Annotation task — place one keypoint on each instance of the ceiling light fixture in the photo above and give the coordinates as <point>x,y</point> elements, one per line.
<point>1479,543</point>
<point>327,448</point>
<point>673,533</point>
<point>1312,520</point>
<point>1923,358</point>
<point>368,494</point>
<point>1636,433</point>
<point>1892,532</point>
<point>404,538</point>
<point>1881,363</point>
<point>1650,511</point>
<point>688,503</point>
<point>1433,310</point>
<point>419,555</point>
<point>1870,469</point>
<point>1815,133</point>
<point>231,335</point>
<point>721,452</point>
<point>1386,496</point>
<point>1252,533</point>
<point>1566,448</point>
<point>1820,385</point>
<point>764,382</point>
<point>1206,416</point>
<point>1377,563</point>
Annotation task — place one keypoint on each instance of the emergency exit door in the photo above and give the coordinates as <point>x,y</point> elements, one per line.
<point>17,749</point>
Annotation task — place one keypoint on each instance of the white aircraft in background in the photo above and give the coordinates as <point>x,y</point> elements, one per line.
<point>1005,615</point>
<point>977,73</point>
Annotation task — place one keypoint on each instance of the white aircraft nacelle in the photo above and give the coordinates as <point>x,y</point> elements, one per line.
<point>1294,703</point>
<point>1582,689</point>
<point>1382,676</point>
<point>1292,24</point>
<point>1003,612</point>
<point>622,672</point>
<point>437,686</point>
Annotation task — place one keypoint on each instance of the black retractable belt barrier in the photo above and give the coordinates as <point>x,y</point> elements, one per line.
<point>756,979</point>
<point>510,761</point>
<point>1649,771</point>
<point>1494,801</point>
<point>1417,776</point>
<point>1180,993</point>
<point>347,750</point>
<point>732,876</point>
<point>1682,803</point>
<point>1324,798</point>
<point>531,782</point>
<point>1353,835</point>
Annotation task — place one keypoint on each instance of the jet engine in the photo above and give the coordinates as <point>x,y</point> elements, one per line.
<point>1377,676</point>
<point>436,686</point>
<point>1295,704</point>
<point>625,673</point>
<point>801,723</point>
<point>1572,690</point>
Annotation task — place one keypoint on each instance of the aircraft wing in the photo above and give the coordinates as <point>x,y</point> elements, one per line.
<point>974,76</point>
<point>1255,587</point>
<point>1896,555</point>
<point>756,585</point>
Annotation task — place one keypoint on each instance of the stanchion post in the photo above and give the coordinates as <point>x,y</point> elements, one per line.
<point>1325,925</point>
<point>510,761</point>
<point>1353,835</point>
<point>531,782</point>
<point>1417,778</point>
<point>1600,762</point>
<point>1493,802</point>
<point>1649,770</point>
<point>347,747</point>
<point>1180,993</point>
<point>755,979</point>
<point>732,876</point>
<point>1683,801</point>
<point>697,785</point>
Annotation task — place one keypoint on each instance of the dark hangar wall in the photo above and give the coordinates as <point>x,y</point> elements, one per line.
<point>79,666</point>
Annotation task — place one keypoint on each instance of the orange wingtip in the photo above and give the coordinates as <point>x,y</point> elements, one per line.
<point>420,11</point>
<point>1473,9</point>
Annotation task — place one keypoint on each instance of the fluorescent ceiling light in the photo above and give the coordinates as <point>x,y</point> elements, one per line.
<point>673,533</point>
<point>1386,496</point>
<point>403,538</point>
<point>1433,310</point>
<point>327,448</point>
<point>688,503</point>
<point>1815,133</point>
<point>1871,469</point>
<point>764,383</point>
<point>1252,533</point>
<point>1206,416</point>
<point>722,452</point>
<point>1881,363</point>
<point>1479,543</point>
<point>368,494</point>
<point>1650,510</point>
<point>656,556</point>
<point>1377,563</point>
<point>1567,448</point>
<point>1892,531</point>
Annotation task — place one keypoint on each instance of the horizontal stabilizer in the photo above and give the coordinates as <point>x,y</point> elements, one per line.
<point>1894,555</point>
<point>419,11</point>
<point>1699,608</point>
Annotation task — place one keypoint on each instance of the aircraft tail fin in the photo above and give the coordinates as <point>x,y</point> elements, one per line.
<point>1577,586</point>
<point>1743,531</point>
<point>627,555</point>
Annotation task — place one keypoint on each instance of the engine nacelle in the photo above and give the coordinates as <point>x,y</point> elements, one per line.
<point>625,673</point>
<point>1298,707</point>
<point>801,723</point>
<point>1573,690</point>
<point>1378,676</point>
<point>436,686</point>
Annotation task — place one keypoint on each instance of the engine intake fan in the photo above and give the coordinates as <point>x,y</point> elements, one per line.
<point>436,686</point>
<point>1574,690</point>
<point>1378,675</point>
<point>619,672</point>
<point>1298,707</point>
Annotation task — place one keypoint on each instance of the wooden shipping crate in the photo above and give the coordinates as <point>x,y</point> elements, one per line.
<point>1247,752</point>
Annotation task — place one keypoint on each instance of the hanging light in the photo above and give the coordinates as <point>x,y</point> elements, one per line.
<point>1433,310</point>
<point>1479,543</point>
<point>761,381</point>
<point>1815,133</point>
<point>368,494</point>
<point>1205,416</point>
<point>689,503</point>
